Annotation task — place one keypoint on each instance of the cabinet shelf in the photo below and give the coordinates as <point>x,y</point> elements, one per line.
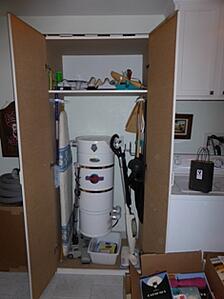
<point>99,92</point>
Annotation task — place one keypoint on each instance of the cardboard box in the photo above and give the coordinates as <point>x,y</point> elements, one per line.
<point>180,262</point>
<point>12,239</point>
<point>214,281</point>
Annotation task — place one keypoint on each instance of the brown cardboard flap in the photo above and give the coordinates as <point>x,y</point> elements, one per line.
<point>209,254</point>
<point>12,236</point>
<point>172,262</point>
<point>215,282</point>
<point>135,287</point>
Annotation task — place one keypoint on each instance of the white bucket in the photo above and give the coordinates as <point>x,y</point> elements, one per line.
<point>101,257</point>
<point>96,202</point>
<point>94,224</point>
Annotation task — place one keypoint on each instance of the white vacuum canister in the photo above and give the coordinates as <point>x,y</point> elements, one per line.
<point>92,202</point>
<point>94,151</point>
<point>96,181</point>
<point>93,224</point>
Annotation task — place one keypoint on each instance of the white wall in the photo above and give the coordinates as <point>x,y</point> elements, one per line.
<point>208,119</point>
<point>102,116</point>
<point>6,94</point>
<point>5,73</point>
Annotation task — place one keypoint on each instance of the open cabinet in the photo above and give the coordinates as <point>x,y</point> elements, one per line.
<point>37,137</point>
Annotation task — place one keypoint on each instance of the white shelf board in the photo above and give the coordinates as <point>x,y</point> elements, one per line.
<point>109,92</point>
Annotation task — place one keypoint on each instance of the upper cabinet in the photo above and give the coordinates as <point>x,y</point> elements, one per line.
<point>200,50</point>
<point>85,57</point>
<point>221,85</point>
<point>221,55</point>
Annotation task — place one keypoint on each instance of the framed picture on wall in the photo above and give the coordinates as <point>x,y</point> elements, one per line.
<point>183,126</point>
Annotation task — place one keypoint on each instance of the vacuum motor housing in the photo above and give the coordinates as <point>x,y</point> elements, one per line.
<point>96,183</point>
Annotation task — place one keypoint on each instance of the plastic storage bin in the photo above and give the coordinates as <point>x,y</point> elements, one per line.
<point>101,257</point>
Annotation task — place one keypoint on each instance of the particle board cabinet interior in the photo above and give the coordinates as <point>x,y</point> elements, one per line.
<point>36,152</point>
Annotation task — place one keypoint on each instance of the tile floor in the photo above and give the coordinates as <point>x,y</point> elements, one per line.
<point>64,286</point>
<point>14,285</point>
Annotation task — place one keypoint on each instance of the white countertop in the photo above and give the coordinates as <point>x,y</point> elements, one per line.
<point>180,176</point>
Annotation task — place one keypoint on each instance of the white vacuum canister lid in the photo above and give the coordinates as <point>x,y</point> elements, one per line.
<point>97,144</point>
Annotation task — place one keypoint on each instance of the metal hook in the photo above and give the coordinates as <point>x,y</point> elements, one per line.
<point>129,150</point>
<point>140,99</point>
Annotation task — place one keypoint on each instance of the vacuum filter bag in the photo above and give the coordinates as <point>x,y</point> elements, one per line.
<point>201,172</point>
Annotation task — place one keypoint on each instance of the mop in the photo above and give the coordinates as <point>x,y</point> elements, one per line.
<point>136,124</point>
<point>135,181</point>
<point>129,254</point>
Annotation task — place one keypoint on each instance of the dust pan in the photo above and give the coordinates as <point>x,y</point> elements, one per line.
<point>133,120</point>
<point>131,125</point>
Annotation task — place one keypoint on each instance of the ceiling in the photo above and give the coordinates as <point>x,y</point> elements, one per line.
<point>85,7</point>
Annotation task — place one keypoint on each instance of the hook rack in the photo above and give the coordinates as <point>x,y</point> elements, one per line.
<point>57,100</point>
<point>129,149</point>
<point>73,143</point>
<point>141,99</point>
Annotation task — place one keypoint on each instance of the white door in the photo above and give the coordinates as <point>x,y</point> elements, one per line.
<point>195,223</point>
<point>197,52</point>
<point>36,152</point>
<point>221,86</point>
<point>221,57</point>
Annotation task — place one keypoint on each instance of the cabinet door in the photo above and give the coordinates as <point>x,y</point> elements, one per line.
<point>220,63</point>
<point>197,52</point>
<point>221,88</point>
<point>160,115</point>
<point>36,152</point>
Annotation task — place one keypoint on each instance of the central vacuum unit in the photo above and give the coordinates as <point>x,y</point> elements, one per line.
<point>96,180</point>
